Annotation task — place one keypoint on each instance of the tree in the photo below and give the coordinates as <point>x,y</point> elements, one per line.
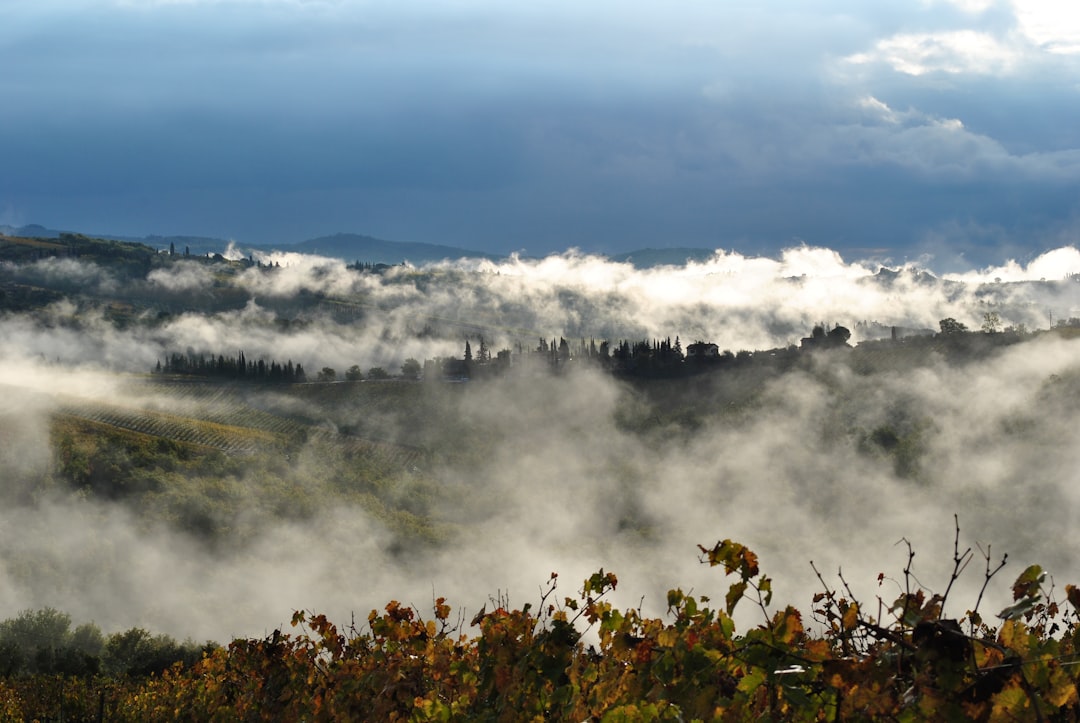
<point>326,374</point>
<point>410,369</point>
<point>138,653</point>
<point>41,641</point>
<point>952,326</point>
<point>468,351</point>
<point>991,322</point>
<point>377,373</point>
<point>839,336</point>
<point>353,373</point>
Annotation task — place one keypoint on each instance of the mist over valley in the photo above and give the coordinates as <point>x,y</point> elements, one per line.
<point>564,361</point>
<point>214,502</point>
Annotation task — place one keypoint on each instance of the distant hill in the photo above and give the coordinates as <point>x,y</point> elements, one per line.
<point>31,231</point>
<point>350,247</point>
<point>197,245</point>
<point>650,258</point>
<point>355,247</point>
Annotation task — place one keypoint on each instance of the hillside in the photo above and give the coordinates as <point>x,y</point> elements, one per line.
<point>181,454</point>
<point>355,247</point>
<point>352,247</point>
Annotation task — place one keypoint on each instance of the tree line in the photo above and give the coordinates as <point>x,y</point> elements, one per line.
<point>657,357</point>
<point>238,367</point>
<point>43,642</point>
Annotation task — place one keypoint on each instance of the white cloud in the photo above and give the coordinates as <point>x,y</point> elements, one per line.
<point>157,3</point>
<point>935,145</point>
<point>879,109</point>
<point>1050,24</point>
<point>1041,27</point>
<point>973,7</point>
<point>954,52</point>
<point>1052,265</point>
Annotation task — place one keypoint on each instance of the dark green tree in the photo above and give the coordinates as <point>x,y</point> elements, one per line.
<point>952,326</point>
<point>410,369</point>
<point>838,336</point>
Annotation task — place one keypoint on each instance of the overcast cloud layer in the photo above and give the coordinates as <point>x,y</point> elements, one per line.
<point>890,128</point>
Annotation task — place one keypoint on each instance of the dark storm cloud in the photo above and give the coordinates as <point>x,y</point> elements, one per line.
<point>501,127</point>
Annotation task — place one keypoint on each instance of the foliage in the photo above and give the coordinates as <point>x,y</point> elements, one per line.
<point>580,658</point>
<point>201,485</point>
<point>43,643</point>
<point>952,326</point>
<point>238,368</point>
<point>991,322</point>
<point>410,368</point>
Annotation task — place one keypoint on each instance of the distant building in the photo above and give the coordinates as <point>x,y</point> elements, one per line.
<point>701,350</point>
<point>455,370</point>
<point>820,339</point>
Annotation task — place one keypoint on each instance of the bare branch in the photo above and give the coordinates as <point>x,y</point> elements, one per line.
<point>960,561</point>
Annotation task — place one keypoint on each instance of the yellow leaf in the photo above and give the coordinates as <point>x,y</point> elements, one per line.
<point>1009,703</point>
<point>1062,692</point>
<point>1013,635</point>
<point>851,616</point>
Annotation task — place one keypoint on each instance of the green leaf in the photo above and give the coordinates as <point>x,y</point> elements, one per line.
<point>1027,585</point>
<point>1019,609</point>
<point>751,681</point>
<point>734,557</point>
<point>600,582</point>
<point>734,595</point>
<point>765,588</point>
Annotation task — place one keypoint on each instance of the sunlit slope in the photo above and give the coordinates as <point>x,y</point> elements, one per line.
<point>244,420</point>
<point>224,463</point>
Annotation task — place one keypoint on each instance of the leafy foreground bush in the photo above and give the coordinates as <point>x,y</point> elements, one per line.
<point>912,664</point>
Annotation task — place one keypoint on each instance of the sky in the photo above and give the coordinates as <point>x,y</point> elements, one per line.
<point>933,129</point>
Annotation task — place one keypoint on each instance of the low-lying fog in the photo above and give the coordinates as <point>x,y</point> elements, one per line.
<point>564,486</point>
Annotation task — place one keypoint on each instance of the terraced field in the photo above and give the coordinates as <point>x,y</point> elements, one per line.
<point>226,438</point>
<point>236,420</point>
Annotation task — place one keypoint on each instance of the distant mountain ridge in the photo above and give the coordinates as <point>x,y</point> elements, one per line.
<point>357,247</point>
<point>199,245</point>
<point>649,258</point>
<point>352,247</point>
